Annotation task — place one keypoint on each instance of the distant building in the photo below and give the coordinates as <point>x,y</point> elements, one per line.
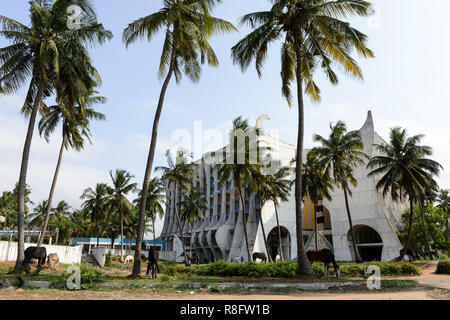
<point>219,236</point>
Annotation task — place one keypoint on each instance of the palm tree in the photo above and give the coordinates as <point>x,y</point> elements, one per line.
<point>279,188</point>
<point>262,186</point>
<point>39,213</point>
<point>61,211</point>
<point>239,168</point>
<point>443,199</point>
<point>194,205</point>
<point>188,26</point>
<point>405,170</point>
<point>155,202</point>
<point>339,155</point>
<point>39,52</point>
<point>428,196</point>
<point>95,202</point>
<point>316,184</point>
<point>181,174</point>
<point>313,36</point>
<point>117,198</point>
<point>75,127</point>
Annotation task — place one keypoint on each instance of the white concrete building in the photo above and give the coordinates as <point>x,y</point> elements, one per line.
<point>219,236</point>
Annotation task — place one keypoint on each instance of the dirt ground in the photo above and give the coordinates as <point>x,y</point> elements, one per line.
<point>427,279</point>
<point>416,294</point>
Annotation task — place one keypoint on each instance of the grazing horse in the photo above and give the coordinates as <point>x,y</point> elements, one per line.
<point>259,255</point>
<point>53,260</point>
<point>34,253</point>
<point>411,254</point>
<point>152,265</point>
<point>128,259</point>
<point>325,256</point>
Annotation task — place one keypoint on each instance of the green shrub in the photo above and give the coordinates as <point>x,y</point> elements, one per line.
<point>108,260</point>
<point>283,269</point>
<point>443,267</point>
<point>90,276</point>
<point>443,256</point>
<point>170,270</point>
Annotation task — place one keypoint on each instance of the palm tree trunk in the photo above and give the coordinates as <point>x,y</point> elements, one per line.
<point>425,229</point>
<point>52,191</point>
<point>148,170</point>
<point>180,225</point>
<point>316,233</point>
<point>280,245</point>
<point>264,231</point>
<point>411,214</point>
<point>121,238</point>
<point>23,176</point>
<point>244,223</point>
<point>303,263</point>
<point>154,232</point>
<point>190,244</point>
<point>355,248</point>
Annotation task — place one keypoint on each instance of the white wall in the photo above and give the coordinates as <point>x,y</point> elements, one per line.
<point>68,255</point>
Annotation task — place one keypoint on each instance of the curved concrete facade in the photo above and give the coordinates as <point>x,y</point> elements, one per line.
<point>219,236</point>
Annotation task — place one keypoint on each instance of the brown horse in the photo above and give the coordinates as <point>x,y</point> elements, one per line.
<point>325,256</point>
<point>259,255</point>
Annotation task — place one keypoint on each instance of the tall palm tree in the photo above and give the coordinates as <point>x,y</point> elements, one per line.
<point>117,198</point>
<point>405,170</point>
<point>94,204</point>
<point>180,174</point>
<point>443,199</point>
<point>155,202</point>
<point>188,26</point>
<point>313,37</point>
<point>339,155</point>
<point>75,128</point>
<point>316,184</point>
<point>38,52</point>
<point>193,207</point>
<point>239,168</point>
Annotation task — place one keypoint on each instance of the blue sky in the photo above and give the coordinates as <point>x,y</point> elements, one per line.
<point>405,85</point>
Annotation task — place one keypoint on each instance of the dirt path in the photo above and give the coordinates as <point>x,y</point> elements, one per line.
<point>429,278</point>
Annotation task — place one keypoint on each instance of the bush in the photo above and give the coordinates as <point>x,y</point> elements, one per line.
<point>90,276</point>
<point>108,260</point>
<point>443,256</point>
<point>284,269</point>
<point>443,267</point>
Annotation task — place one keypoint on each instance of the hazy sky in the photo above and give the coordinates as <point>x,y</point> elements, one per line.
<point>405,85</point>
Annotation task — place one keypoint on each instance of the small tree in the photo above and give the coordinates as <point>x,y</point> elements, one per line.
<point>194,206</point>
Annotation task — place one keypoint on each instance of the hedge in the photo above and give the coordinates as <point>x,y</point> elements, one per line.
<point>284,269</point>
<point>443,267</point>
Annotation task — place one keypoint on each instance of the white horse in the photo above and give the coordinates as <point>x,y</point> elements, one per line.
<point>129,259</point>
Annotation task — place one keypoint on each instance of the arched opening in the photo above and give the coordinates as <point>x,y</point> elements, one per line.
<point>274,244</point>
<point>368,242</point>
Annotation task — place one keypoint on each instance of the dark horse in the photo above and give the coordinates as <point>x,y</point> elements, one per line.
<point>34,253</point>
<point>325,256</point>
<point>259,255</point>
<point>152,265</point>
